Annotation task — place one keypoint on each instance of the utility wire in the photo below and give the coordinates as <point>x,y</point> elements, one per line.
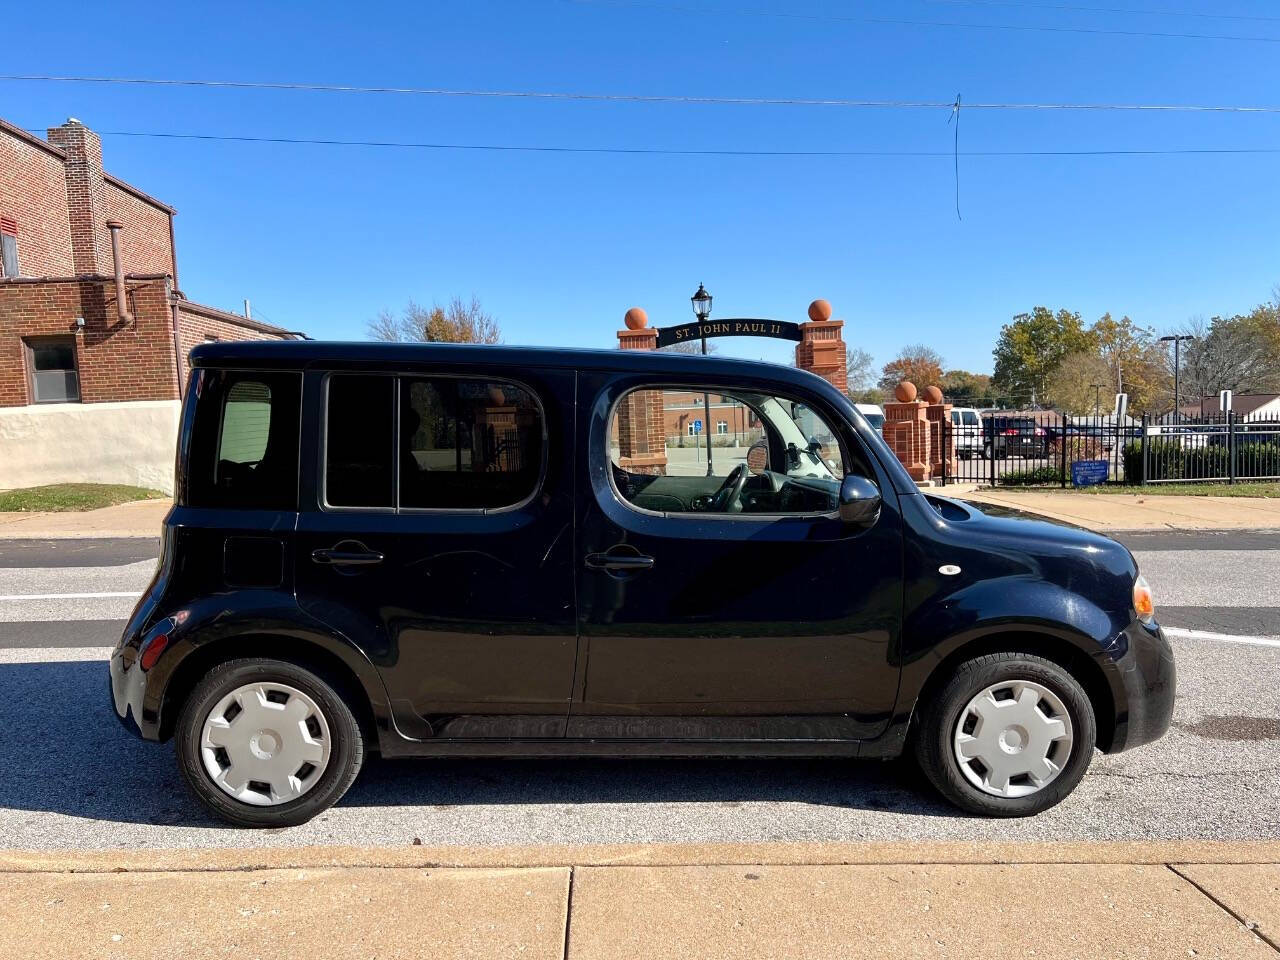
<point>899,21</point>
<point>1123,10</point>
<point>677,152</point>
<point>642,98</point>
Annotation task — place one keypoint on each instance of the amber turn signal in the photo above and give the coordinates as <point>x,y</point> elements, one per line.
<point>1143,602</point>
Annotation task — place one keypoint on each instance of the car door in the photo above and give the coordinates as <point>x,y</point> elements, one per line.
<point>438,537</point>
<point>764,618</point>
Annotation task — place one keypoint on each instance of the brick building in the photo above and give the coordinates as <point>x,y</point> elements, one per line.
<point>94,329</point>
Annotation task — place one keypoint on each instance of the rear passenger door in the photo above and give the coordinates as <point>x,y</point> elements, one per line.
<point>436,534</point>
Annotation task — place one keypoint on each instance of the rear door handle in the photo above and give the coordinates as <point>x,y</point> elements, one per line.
<point>346,558</point>
<point>619,562</point>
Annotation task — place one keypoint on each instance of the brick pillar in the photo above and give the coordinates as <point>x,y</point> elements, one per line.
<point>642,435</point>
<point>906,430</point>
<point>90,249</point>
<point>822,350</point>
<point>942,441</point>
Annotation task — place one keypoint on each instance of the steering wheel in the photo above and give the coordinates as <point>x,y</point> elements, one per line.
<point>728,499</point>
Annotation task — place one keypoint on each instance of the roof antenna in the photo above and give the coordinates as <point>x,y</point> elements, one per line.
<point>955,115</point>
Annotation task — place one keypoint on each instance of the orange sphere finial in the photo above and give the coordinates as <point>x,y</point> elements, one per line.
<point>819,310</point>
<point>933,394</point>
<point>636,318</point>
<point>905,391</point>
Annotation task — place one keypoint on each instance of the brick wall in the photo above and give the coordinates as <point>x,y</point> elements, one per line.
<point>85,186</point>
<point>145,243</point>
<point>116,361</point>
<point>33,192</point>
<point>198,324</point>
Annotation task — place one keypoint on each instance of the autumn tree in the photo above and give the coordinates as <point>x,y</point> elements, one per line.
<point>965,389</point>
<point>1030,348</point>
<point>920,364</point>
<point>457,322</point>
<point>1081,384</point>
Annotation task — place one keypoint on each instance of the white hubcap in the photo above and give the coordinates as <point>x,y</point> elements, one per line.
<point>1013,738</point>
<point>265,743</point>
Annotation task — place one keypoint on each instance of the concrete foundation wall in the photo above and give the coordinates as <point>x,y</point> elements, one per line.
<point>89,443</point>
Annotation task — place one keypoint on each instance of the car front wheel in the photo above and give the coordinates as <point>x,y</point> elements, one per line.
<point>1008,735</point>
<point>266,743</point>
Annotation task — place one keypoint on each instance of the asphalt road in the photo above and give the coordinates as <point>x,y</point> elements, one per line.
<point>71,777</point>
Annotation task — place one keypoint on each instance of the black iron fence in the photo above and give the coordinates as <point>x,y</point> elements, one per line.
<point>1043,448</point>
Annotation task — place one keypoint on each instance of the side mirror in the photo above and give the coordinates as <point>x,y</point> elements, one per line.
<point>859,501</point>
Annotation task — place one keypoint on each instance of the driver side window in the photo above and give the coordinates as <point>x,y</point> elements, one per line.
<point>682,450</point>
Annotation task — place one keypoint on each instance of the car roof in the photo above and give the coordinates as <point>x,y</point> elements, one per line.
<point>299,354</point>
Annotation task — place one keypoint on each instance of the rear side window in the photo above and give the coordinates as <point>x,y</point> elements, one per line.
<point>430,443</point>
<point>359,441</point>
<point>244,446</point>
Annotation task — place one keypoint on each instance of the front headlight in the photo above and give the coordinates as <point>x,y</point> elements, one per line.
<point>1143,602</point>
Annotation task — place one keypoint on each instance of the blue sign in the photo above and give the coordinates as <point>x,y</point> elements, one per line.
<point>1089,473</point>
<point>697,426</point>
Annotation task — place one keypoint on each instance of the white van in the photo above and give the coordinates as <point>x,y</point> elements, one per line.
<point>967,428</point>
<point>873,413</point>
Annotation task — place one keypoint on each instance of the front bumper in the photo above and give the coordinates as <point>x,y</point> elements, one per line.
<point>1144,663</point>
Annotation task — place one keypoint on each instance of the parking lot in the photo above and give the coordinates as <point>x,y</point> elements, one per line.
<point>70,777</point>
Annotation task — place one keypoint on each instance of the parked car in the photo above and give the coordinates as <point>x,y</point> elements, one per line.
<point>1013,437</point>
<point>966,427</point>
<point>874,414</point>
<point>438,550</point>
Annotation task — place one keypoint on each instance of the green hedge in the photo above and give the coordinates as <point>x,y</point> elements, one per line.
<point>1169,460</point>
<point>1033,477</point>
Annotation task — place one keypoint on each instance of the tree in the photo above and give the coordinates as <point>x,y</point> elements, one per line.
<point>1228,353</point>
<point>458,322</point>
<point>691,347</point>
<point>860,368</point>
<point>1081,384</point>
<point>920,364</point>
<point>965,389</point>
<point>1031,347</point>
<point>1133,358</point>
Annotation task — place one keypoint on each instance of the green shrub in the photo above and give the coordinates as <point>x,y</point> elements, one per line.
<point>1033,477</point>
<point>1169,460</point>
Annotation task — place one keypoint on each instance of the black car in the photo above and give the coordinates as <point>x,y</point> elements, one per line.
<point>1013,437</point>
<point>466,551</point>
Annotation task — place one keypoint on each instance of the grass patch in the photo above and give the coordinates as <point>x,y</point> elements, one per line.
<point>63,497</point>
<point>1252,488</point>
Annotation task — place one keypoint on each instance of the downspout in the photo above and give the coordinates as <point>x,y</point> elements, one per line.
<point>177,340</point>
<point>122,297</point>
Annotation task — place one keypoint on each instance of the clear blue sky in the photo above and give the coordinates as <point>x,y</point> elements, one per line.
<point>557,246</point>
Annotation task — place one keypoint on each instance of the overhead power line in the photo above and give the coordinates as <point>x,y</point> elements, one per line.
<point>641,98</point>
<point>908,22</point>
<point>1129,11</point>
<point>679,152</point>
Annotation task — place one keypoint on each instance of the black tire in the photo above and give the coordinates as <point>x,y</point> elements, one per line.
<point>938,718</point>
<point>346,751</point>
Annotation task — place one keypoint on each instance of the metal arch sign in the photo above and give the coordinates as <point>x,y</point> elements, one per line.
<point>729,327</point>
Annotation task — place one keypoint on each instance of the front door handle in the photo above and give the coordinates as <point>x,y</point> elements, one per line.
<point>619,562</point>
<point>346,557</point>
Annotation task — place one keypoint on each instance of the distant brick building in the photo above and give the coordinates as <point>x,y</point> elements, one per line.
<point>90,379</point>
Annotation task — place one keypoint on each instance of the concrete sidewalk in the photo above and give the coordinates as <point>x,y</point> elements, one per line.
<point>1125,511</point>
<point>138,518</point>
<point>778,900</point>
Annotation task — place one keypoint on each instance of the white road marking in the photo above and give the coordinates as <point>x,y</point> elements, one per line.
<point>54,654</point>
<point>1183,634</point>
<point>132,595</point>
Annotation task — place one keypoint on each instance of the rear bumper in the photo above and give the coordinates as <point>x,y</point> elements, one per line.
<point>128,695</point>
<point>1148,677</point>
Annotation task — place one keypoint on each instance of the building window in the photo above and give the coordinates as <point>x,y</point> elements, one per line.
<point>8,247</point>
<point>722,427</point>
<point>51,363</point>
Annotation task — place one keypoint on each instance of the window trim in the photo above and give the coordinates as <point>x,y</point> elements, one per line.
<point>822,408</point>
<point>322,480</point>
<point>29,364</point>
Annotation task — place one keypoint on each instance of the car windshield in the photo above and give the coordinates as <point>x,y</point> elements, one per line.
<point>795,424</point>
<point>875,419</point>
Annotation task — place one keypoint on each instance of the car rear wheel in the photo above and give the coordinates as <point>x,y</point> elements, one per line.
<point>265,743</point>
<point>1008,735</point>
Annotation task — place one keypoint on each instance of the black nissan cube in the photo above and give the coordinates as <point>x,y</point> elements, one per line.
<point>460,551</point>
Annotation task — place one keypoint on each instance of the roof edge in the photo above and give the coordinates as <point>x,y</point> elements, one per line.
<point>32,140</point>
<point>131,189</point>
<point>213,313</point>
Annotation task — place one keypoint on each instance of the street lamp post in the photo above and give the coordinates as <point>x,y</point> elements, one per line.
<point>702,309</point>
<point>1177,341</point>
<point>1097,400</point>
